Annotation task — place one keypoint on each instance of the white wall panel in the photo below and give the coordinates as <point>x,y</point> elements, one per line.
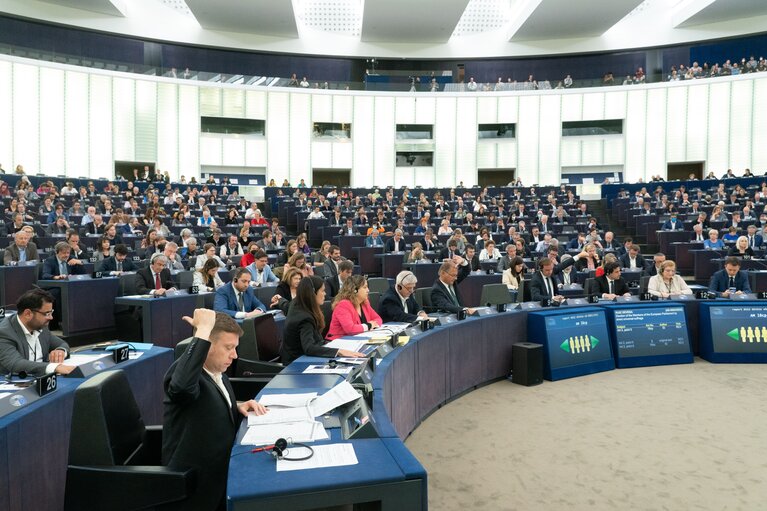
<point>572,107</point>
<point>233,151</point>
<point>654,150</point>
<point>741,113</point>
<point>615,105</point>
<point>188,133</point>
<point>528,137</point>
<point>697,123</point>
<point>343,106</point>
<point>404,176</point>
<point>300,137</point>
<point>146,120</point>
<point>634,131</point>
<point>26,112</point>
<point>167,127</point>
<point>76,125</point>
<point>571,152</point>
<point>322,155</point>
<point>342,155</point>
<point>255,152</point>
<point>278,137</point>
<point>100,108</point>
<point>405,110</point>
<point>550,139</point>
<point>487,109</point>
<point>759,126</point>
<point>363,132</point>
<point>6,112</point>
<point>487,156</point>
<point>425,176</point>
<point>233,103</point>
<point>211,150</point>
<point>718,155</point>
<point>467,157</point>
<point>425,110</point>
<point>52,133</point>
<point>676,124</point>
<point>506,152</point>
<point>592,150</point>
<point>211,101</point>
<point>612,148</point>
<point>255,104</point>
<point>124,118</point>
<point>383,148</point>
<point>508,109</point>
<point>322,108</point>
<point>445,139</point>
<point>593,106</point>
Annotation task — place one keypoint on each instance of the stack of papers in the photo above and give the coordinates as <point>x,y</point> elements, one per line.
<point>342,370</point>
<point>78,360</point>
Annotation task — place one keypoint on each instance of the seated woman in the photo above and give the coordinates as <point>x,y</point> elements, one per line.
<point>298,260</point>
<point>515,273</point>
<point>416,253</point>
<point>104,249</point>
<point>588,263</point>
<point>667,282</point>
<point>731,236</point>
<point>489,252</point>
<point>304,324</point>
<point>288,286</point>
<point>352,313</point>
<point>741,249</point>
<point>445,228</point>
<point>208,252</point>
<point>206,278</point>
<point>322,254</point>
<point>713,242</point>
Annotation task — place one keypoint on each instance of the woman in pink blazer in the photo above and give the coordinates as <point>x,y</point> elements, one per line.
<point>352,313</point>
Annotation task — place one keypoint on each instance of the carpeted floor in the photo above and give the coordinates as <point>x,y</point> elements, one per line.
<point>683,437</point>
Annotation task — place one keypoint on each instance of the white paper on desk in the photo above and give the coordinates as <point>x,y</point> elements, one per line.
<point>287,400</point>
<point>133,355</point>
<point>5,394</point>
<point>335,397</point>
<point>370,334</point>
<point>329,455</point>
<point>78,360</point>
<point>281,415</point>
<point>13,387</point>
<point>303,432</point>
<point>347,344</point>
<point>355,361</point>
<point>395,327</point>
<point>326,369</point>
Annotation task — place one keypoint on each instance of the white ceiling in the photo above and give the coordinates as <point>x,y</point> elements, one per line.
<point>415,29</point>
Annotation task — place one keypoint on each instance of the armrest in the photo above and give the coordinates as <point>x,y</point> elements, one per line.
<point>123,488</point>
<point>153,442</point>
<point>247,367</point>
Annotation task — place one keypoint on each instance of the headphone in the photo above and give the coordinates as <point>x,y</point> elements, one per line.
<point>401,277</point>
<point>281,448</point>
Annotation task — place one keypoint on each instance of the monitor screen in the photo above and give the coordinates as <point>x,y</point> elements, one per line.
<point>650,335</point>
<point>576,342</point>
<point>739,328</point>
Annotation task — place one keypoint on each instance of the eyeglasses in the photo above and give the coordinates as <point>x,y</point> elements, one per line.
<point>44,313</point>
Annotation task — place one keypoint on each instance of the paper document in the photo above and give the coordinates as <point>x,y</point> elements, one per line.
<point>331,455</point>
<point>302,432</point>
<point>287,400</point>
<point>335,397</point>
<point>281,415</point>
<point>78,360</point>
<point>5,394</point>
<point>326,369</point>
<point>370,334</point>
<point>133,355</point>
<point>347,344</point>
<point>355,361</point>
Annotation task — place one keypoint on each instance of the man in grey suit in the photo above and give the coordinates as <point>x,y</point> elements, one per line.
<point>26,344</point>
<point>20,250</point>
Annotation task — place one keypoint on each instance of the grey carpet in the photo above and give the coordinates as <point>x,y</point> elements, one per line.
<point>682,437</point>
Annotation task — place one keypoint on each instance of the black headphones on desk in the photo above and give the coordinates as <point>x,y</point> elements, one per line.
<point>281,448</point>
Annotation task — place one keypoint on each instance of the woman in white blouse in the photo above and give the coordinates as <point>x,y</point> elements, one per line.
<point>208,252</point>
<point>445,228</point>
<point>667,282</point>
<point>489,252</point>
<point>515,273</point>
<point>206,278</point>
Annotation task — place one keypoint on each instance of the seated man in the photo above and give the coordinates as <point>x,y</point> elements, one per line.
<point>374,240</point>
<point>504,263</point>
<point>260,271</point>
<point>673,224</point>
<point>444,293</point>
<point>201,414</point>
<point>545,282</point>
<point>238,299</point>
<point>21,250</point>
<point>397,304</point>
<point>611,284</point>
<point>154,279</point>
<point>396,243</point>
<point>59,266</point>
<point>26,344</point>
<point>450,250</point>
<point>731,280</point>
<point>335,282</point>
<point>119,262</point>
<point>633,259</point>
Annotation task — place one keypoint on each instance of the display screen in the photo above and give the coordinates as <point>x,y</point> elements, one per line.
<point>739,328</point>
<point>651,331</point>
<point>577,338</point>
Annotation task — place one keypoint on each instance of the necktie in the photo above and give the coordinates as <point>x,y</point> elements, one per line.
<point>119,266</point>
<point>453,296</point>
<point>23,255</point>
<point>157,284</point>
<point>751,241</point>
<point>240,302</point>
<point>549,287</point>
<point>732,281</point>
<point>62,268</point>
<point>610,286</point>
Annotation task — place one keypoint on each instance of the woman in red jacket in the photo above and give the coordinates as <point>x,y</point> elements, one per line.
<point>352,313</point>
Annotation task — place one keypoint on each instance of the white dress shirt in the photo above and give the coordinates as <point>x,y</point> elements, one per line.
<point>219,381</point>
<point>35,349</point>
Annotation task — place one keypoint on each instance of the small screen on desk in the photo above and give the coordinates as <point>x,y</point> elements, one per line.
<point>739,328</point>
<point>577,338</point>
<point>651,331</point>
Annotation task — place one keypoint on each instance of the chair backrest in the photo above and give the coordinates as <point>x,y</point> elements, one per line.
<point>327,312</point>
<point>127,285</point>
<point>268,339</point>
<point>248,347</point>
<point>494,294</point>
<point>379,285</point>
<point>423,296</point>
<point>644,281</point>
<point>374,299</point>
<point>107,428</point>
<point>521,290</point>
<point>590,286</point>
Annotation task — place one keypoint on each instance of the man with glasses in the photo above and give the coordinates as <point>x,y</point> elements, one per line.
<point>26,343</point>
<point>398,303</point>
<point>444,292</point>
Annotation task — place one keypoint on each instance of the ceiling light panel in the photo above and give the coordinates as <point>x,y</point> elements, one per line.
<point>342,17</point>
<point>178,6</point>
<point>483,16</point>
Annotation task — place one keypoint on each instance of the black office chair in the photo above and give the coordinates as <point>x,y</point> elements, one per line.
<point>644,281</point>
<point>327,312</point>
<point>494,294</point>
<point>590,287</point>
<point>114,459</point>
<point>378,285</point>
<point>374,298</point>
<point>521,290</point>
<point>423,298</point>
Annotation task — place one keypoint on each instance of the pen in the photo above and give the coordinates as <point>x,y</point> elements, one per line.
<point>264,448</point>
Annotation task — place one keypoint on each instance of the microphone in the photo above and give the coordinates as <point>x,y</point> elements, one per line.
<point>21,375</point>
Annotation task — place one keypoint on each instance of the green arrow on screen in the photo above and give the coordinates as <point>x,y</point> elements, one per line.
<point>594,342</point>
<point>565,346</point>
<point>734,334</point>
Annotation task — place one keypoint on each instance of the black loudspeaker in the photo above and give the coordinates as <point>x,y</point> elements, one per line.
<point>527,364</point>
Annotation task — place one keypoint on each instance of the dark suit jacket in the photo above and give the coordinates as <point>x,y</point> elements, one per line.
<point>110,264</point>
<point>302,337</point>
<point>390,308</point>
<point>440,298</point>
<point>679,226</point>
<point>199,427</point>
<point>445,253</point>
<point>473,263</point>
<point>51,268</point>
<point>12,253</point>
<point>720,282</point>
<point>90,228</point>
<point>390,245</point>
<point>226,301</point>
<point>640,261</point>
<point>619,286</point>
<point>334,285</point>
<point>14,349</point>
<point>145,282</point>
<point>538,288</point>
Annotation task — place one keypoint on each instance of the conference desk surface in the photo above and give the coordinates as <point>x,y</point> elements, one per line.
<point>34,441</point>
<point>87,304</point>
<point>161,321</point>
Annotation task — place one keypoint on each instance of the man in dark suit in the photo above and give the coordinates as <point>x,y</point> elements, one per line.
<point>59,266</point>
<point>450,250</point>
<point>658,259</point>
<point>119,262</point>
<point>155,279</point>
<point>545,282</point>
<point>471,256</point>
<point>396,243</point>
<point>26,344</point>
<point>723,281</point>
<point>611,284</point>
<point>79,251</point>
<point>201,414</point>
<point>238,299</point>
<point>397,304</point>
<point>444,293</point>
<point>633,259</point>
<point>673,224</point>
<point>20,250</point>
<point>335,282</point>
